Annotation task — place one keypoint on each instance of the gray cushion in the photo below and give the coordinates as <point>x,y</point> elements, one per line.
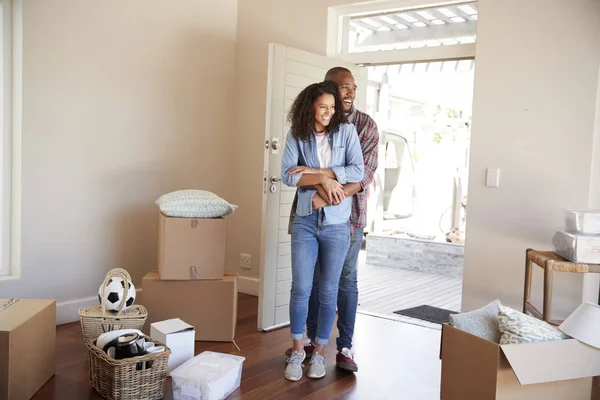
<point>194,204</point>
<point>482,322</point>
<point>517,327</point>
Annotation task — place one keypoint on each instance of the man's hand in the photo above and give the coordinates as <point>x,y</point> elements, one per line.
<point>334,191</point>
<point>318,202</point>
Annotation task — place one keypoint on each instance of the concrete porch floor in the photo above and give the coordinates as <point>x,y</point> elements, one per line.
<point>383,290</point>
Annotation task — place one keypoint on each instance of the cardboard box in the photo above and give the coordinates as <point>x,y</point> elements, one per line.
<point>191,248</point>
<point>178,336</point>
<point>209,305</point>
<point>477,369</point>
<point>27,346</point>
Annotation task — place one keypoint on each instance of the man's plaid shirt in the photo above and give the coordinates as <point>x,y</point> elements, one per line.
<point>369,143</point>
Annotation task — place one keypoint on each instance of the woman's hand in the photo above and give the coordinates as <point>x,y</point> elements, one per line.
<point>334,190</point>
<point>300,169</point>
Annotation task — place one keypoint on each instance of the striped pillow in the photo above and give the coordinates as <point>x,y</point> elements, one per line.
<point>517,327</point>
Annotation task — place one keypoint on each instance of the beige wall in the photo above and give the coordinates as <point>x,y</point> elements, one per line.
<point>299,24</point>
<point>534,111</point>
<point>122,101</point>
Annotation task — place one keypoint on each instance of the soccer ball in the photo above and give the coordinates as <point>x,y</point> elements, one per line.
<point>114,292</point>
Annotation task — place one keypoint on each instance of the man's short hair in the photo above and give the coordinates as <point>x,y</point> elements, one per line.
<point>331,74</point>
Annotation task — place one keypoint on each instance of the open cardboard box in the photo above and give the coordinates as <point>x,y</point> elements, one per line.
<point>478,369</point>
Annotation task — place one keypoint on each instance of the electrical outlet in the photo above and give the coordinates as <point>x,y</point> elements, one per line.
<point>245,261</point>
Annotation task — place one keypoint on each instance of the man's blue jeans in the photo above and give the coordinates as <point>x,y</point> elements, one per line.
<point>312,241</point>
<point>347,298</point>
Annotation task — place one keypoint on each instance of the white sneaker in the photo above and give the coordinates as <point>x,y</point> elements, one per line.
<point>317,366</point>
<point>293,371</point>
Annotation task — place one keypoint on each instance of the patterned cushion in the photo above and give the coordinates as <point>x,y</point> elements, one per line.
<point>482,322</point>
<point>194,204</point>
<point>517,327</point>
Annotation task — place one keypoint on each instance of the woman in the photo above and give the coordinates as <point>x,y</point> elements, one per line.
<point>322,152</point>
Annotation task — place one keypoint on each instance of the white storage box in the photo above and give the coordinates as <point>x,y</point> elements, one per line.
<point>208,376</point>
<point>577,248</point>
<point>179,338</point>
<point>586,222</point>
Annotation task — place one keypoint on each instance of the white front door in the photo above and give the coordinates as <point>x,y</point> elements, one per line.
<point>290,71</point>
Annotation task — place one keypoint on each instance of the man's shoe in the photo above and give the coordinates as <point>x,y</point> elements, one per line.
<point>308,348</point>
<point>293,371</point>
<point>345,360</point>
<point>317,366</point>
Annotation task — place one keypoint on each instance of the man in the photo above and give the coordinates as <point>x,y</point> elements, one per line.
<point>347,302</point>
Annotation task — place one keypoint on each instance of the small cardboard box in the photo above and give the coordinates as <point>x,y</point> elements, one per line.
<point>27,346</point>
<point>477,369</point>
<point>191,248</point>
<point>209,305</point>
<point>178,336</point>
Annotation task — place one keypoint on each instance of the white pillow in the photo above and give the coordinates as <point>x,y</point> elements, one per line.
<point>517,327</point>
<point>194,204</point>
<point>482,322</point>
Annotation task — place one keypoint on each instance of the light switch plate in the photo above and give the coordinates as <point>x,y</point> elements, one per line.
<point>492,178</point>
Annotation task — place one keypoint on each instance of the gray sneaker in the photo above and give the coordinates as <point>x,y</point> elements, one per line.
<point>293,371</point>
<point>317,366</point>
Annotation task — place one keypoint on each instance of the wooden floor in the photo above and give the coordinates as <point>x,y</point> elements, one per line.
<point>383,290</point>
<point>396,360</point>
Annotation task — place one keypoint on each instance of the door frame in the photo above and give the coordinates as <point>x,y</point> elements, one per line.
<point>338,17</point>
<point>338,20</point>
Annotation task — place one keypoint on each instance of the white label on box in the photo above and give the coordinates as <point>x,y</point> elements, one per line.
<point>190,391</point>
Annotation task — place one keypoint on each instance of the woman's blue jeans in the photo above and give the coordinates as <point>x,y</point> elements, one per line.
<point>312,240</point>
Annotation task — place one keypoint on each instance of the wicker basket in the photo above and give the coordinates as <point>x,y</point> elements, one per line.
<point>96,320</point>
<point>141,377</point>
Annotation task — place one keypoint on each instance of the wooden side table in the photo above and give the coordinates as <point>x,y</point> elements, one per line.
<point>550,262</point>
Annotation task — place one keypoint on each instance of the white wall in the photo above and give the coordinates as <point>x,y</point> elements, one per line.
<point>300,24</point>
<point>595,175</point>
<point>536,83</point>
<point>122,101</point>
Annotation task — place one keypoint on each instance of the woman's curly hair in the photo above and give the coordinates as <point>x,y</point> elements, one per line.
<point>301,114</point>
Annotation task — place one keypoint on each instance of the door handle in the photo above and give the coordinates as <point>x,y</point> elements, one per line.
<point>275,179</point>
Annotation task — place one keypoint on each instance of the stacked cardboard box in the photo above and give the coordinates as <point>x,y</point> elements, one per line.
<point>190,282</point>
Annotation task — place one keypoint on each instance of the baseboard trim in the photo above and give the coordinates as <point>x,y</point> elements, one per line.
<point>248,285</point>
<point>68,311</point>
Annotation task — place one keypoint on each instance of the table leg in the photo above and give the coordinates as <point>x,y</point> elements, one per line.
<point>527,289</point>
<point>548,276</point>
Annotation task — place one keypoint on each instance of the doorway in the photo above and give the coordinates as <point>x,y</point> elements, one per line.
<point>417,210</point>
<point>378,46</point>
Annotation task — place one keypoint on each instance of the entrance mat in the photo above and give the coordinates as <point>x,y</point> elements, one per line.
<point>428,313</point>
